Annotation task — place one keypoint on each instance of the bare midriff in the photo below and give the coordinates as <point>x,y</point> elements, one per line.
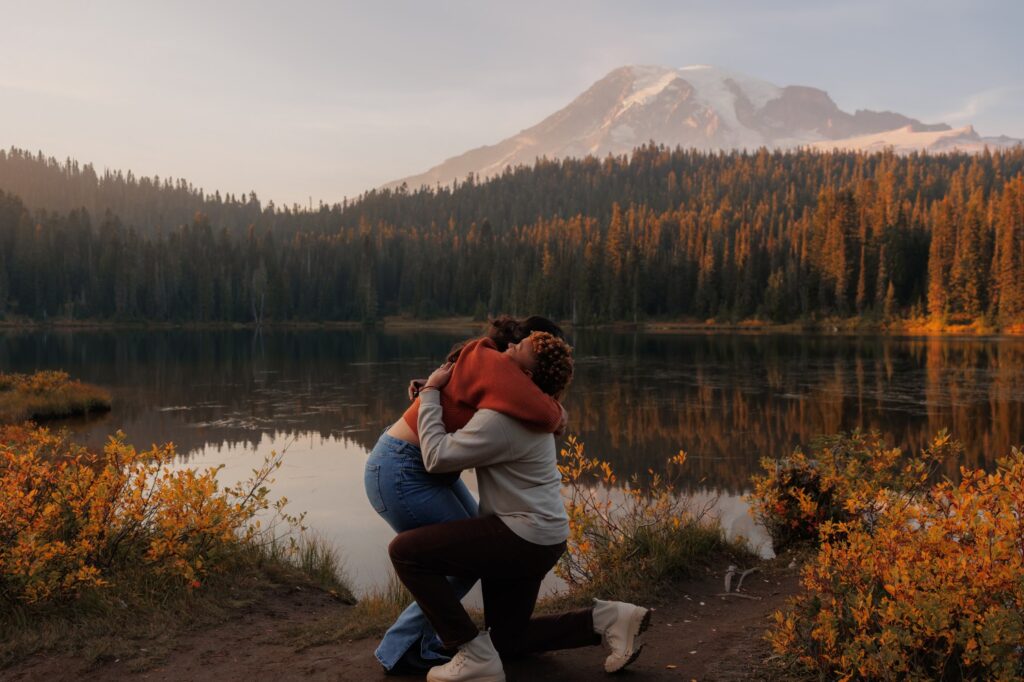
<point>402,431</point>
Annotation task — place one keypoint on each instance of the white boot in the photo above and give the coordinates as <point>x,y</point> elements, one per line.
<point>476,660</point>
<point>620,625</point>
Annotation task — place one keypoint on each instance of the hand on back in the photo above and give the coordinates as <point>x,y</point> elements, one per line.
<point>439,377</point>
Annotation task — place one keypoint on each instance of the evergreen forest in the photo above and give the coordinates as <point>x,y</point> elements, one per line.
<point>663,234</point>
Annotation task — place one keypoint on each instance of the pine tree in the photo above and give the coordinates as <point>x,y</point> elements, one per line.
<point>862,282</point>
<point>1008,261</point>
<point>940,262</point>
<point>969,271</point>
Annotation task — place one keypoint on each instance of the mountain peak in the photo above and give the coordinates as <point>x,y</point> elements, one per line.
<point>704,107</point>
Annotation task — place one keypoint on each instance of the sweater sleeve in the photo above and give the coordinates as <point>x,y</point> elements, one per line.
<point>481,442</point>
<point>490,380</point>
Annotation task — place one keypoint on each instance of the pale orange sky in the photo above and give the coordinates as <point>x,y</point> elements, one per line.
<point>327,99</point>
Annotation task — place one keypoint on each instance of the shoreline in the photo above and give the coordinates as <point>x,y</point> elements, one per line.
<point>828,327</point>
<point>281,632</point>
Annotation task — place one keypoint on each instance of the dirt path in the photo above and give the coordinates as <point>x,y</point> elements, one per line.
<point>696,635</point>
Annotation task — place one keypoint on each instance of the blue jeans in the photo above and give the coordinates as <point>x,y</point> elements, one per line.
<point>406,496</point>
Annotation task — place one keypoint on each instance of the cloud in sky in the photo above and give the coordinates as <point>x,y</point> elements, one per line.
<point>326,99</point>
<point>993,103</point>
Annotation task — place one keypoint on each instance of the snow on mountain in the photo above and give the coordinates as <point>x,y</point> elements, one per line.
<point>719,89</point>
<point>646,86</point>
<point>700,107</point>
<point>909,139</point>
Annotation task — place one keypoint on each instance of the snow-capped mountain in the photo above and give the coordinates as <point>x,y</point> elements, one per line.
<point>913,137</point>
<point>706,108</point>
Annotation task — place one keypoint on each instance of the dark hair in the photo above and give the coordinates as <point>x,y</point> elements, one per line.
<point>505,330</point>
<point>536,323</point>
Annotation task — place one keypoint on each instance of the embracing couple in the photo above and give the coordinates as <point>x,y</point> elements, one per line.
<point>493,406</point>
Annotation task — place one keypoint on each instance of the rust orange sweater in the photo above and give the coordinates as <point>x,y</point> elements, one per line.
<point>485,378</point>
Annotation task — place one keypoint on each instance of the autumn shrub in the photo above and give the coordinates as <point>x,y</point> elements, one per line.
<point>47,394</point>
<point>933,589</point>
<point>73,520</point>
<point>627,542</point>
<point>838,483</point>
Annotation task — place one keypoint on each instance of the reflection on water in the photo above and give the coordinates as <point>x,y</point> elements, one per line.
<point>727,399</point>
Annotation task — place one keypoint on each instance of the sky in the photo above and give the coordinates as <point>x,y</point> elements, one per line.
<point>309,101</point>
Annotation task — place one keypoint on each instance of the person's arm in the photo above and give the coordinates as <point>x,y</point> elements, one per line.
<point>490,380</point>
<point>480,442</point>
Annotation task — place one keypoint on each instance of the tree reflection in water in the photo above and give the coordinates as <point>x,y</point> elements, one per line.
<point>728,399</point>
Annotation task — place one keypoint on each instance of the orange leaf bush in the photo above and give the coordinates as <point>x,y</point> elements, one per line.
<point>935,590</point>
<point>71,519</point>
<point>840,481</point>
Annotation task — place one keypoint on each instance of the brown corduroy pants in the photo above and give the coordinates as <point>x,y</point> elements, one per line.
<point>510,570</point>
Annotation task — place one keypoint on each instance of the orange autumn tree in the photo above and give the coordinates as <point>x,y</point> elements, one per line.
<point>72,519</point>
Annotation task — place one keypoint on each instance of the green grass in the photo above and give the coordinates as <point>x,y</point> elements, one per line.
<point>314,560</point>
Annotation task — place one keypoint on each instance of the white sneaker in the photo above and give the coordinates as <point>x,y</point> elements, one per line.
<point>620,625</point>
<point>476,660</point>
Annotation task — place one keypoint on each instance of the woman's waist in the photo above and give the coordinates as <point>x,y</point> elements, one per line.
<point>402,434</point>
<point>390,446</point>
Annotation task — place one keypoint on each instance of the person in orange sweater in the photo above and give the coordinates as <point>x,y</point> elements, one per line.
<point>483,376</point>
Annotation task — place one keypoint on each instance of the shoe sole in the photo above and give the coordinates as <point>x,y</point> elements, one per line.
<point>488,678</point>
<point>638,646</point>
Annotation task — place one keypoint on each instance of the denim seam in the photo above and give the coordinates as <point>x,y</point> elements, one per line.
<point>400,493</point>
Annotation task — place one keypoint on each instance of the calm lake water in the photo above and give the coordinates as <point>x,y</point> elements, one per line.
<point>231,397</point>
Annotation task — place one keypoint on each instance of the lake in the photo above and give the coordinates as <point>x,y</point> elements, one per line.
<point>728,399</point>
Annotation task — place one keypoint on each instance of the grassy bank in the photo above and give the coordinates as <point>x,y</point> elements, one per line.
<point>99,551</point>
<point>633,540</point>
<point>140,620</point>
<point>46,395</point>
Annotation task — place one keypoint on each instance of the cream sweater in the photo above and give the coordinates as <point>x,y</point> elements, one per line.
<point>516,468</point>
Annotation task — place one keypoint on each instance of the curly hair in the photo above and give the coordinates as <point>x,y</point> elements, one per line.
<point>505,330</point>
<point>554,363</point>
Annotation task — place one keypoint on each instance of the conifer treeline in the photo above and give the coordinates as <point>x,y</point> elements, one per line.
<point>148,204</point>
<point>663,233</point>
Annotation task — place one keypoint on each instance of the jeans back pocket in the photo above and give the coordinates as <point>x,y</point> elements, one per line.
<point>371,480</point>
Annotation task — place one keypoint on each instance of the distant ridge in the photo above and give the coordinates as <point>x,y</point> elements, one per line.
<point>706,108</point>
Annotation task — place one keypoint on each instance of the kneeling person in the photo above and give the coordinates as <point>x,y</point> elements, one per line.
<point>518,537</point>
